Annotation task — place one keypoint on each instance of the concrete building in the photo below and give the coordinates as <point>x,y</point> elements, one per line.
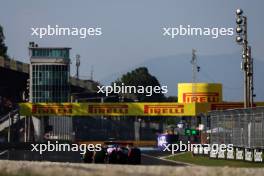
<point>50,82</point>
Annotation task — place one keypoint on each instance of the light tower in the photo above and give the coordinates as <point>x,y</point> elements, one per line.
<point>195,69</point>
<point>247,62</point>
<point>78,63</point>
<point>194,65</point>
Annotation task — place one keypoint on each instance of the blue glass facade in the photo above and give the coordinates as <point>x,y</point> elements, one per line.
<point>51,53</point>
<point>50,83</point>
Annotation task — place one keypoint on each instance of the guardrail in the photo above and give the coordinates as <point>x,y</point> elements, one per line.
<point>5,117</point>
<point>8,119</point>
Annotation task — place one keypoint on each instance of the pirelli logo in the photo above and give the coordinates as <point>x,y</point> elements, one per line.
<point>51,109</point>
<point>163,109</point>
<point>201,97</point>
<point>107,109</point>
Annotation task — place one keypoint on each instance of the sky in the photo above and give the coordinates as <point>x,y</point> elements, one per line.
<point>132,30</point>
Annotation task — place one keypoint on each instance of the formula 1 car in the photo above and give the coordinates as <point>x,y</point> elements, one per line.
<point>115,152</point>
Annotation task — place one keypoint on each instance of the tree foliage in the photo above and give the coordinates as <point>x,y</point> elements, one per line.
<point>141,77</point>
<point>3,47</point>
<point>172,99</point>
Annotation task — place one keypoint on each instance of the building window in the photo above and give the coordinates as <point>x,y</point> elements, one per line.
<point>50,83</point>
<point>54,53</point>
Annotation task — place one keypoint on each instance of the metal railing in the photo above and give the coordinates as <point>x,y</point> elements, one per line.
<point>6,116</point>
<point>240,127</point>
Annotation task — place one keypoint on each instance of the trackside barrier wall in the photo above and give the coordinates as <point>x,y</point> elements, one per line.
<point>239,154</point>
<point>243,128</point>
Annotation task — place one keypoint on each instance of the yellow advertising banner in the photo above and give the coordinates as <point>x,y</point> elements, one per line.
<point>125,109</point>
<point>199,92</point>
<point>107,109</point>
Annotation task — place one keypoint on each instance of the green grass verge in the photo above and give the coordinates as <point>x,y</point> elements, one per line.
<point>206,161</point>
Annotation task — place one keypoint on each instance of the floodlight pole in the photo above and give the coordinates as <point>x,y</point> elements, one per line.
<point>78,63</point>
<point>194,67</point>
<point>247,62</point>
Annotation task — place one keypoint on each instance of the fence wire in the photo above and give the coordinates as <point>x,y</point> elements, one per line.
<point>240,127</point>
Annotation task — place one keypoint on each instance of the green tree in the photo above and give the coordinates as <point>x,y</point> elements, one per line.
<point>172,99</point>
<point>3,47</point>
<point>141,77</point>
